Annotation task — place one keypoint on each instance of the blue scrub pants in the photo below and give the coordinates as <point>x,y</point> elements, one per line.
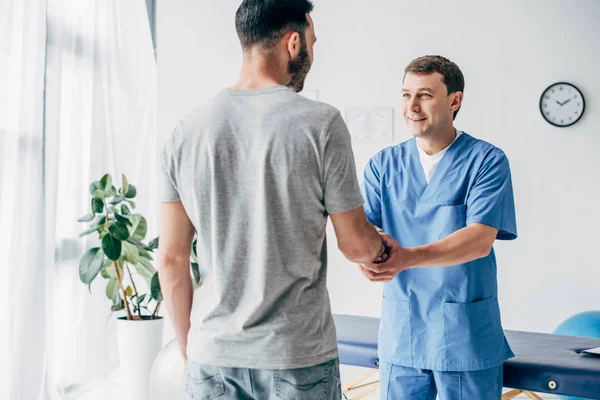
<point>398,382</point>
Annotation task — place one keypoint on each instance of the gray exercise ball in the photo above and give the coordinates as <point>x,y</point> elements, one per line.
<point>167,375</point>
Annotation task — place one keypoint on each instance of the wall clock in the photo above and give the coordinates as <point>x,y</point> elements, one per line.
<point>562,104</point>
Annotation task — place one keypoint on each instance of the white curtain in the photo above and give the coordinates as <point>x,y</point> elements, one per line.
<point>22,221</point>
<point>98,117</point>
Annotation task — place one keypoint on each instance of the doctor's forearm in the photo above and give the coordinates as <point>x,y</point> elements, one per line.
<point>464,245</point>
<point>176,287</point>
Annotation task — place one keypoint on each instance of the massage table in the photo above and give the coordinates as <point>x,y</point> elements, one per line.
<point>543,362</point>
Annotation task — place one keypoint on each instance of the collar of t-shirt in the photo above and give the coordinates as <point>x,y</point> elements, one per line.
<point>431,162</point>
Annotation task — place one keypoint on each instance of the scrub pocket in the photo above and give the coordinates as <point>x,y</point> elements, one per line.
<point>203,382</point>
<point>473,332</point>
<point>452,219</point>
<point>394,331</point>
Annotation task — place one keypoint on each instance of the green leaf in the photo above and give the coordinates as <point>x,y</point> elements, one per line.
<point>196,272</point>
<point>138,243</point>
<point>153,245</point>
<point>148,265</point>
<point>124,184</point>
<point>145,269</point>
<point>95,226</point>
<point>99,222</point>
<point>138,228</point>
<point>194,246</point>
<point>111,288</point>
<point>90,264</point>
<point>86,218</point>
<point>140,299</point>
<point>131,192</point>
<point>125,210</point>
<point>97,205</point>
<point>94,186</point>
<point>128,291</point>
<point>111,192</point>
<point>108,270</point>
<point>82,234</point>
<point>117,199</point>
<point>105,183</point>
<point>111,247</point>
<point>118,230</point>
<point>130,253</point>
<point>122,219</point>
<point>155,288</point>
<point>145,253</point>
<point>100,195</point>
<point>118,307</point>
<point>131,203</point>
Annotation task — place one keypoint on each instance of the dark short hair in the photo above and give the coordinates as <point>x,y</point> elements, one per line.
<point>451,74</point>
<point>264,22</point>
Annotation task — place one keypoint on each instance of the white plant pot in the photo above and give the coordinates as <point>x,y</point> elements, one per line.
<point>167,378</point>
<point>139,343</point>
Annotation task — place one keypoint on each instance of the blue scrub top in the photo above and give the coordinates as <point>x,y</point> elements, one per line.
<point>441,318</point>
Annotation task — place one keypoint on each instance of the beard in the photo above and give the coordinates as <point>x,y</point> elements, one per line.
<point>298,69</point>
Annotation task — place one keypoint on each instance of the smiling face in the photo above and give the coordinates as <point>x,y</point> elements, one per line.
<point>426,105</point>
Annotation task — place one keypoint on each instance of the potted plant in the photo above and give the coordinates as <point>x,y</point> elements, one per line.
<point>125,262</point>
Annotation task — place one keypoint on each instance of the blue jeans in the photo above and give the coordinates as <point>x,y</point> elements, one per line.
<point>320,382</point>
<point>398,382</point>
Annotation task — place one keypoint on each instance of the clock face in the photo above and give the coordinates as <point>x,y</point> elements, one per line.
<point>562,104</point>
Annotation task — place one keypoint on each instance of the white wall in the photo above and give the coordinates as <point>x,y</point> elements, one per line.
<point>509,51</point>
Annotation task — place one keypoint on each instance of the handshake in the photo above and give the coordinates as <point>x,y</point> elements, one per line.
<point>389,263</point>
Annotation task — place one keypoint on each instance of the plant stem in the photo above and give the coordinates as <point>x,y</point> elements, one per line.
<point>134,288</point>
<point>106,223</point>
<point>131,278</point>
<point>120,279</point>
<point>156,310</point>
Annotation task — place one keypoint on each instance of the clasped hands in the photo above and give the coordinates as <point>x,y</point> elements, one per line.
<point>397,261</point>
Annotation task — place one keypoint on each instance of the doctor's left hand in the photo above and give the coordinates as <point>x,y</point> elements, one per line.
<point>397,262</point>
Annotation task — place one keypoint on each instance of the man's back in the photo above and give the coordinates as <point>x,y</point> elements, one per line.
<point>267,167</point>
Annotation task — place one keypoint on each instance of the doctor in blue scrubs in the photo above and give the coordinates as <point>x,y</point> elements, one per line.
<point>445,197</point>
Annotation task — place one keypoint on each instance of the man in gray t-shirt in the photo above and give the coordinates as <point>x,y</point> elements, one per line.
<point>256,172</point>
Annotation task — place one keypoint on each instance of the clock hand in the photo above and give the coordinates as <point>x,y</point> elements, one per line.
<point>559,103</point>
<point>568,100</point>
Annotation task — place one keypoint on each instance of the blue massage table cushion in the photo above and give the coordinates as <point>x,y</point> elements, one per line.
<point>543,362</point>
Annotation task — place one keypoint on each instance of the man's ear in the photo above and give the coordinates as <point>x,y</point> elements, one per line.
<point>457,98</point>
<point>293,44</point>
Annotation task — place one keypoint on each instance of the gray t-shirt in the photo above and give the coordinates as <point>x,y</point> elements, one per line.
<point>258,172</point>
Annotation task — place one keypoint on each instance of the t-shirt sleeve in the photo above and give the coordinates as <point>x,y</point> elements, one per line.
<point>371,191</point>
<point>491,200</point>
<point>168,185</point>
<point>341,189</point>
